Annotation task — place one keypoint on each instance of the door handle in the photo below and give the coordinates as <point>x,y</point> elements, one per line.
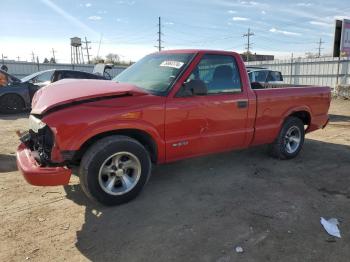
<point>242,104</point>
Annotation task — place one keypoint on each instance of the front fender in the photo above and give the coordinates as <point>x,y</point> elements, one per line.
<point>72,127</point>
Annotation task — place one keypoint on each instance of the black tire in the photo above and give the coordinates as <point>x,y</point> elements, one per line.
<point>279,149</point>
<point>11,104</point>
<point>96,156</point>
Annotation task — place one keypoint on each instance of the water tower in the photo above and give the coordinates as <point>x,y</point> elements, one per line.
<point>76,51</point>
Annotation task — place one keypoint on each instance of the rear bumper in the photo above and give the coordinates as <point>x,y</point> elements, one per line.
<point>37,175</point>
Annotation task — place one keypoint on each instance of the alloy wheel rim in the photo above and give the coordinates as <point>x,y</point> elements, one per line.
<point>292,139</point>
<point>119,173</point>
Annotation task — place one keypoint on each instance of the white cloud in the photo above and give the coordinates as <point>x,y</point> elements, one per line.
<point>238,18</point>
<point>126,2</point>
<point>254,3</point>
<point>88,5</point>
<point>122,20</point>
<point>249,3</point>
<point>304,4</point>
<point>230,4</point>
<point>232,12</point>
<point>169,23</point>
<point>340,17</point>
<point>263,12</point>
<point>102,12</point>
<point>321,23</point>
<point>95,17</point>
<point>274,30</point>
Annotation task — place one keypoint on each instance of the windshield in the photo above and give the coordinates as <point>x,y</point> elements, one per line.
<point>27,78</point>
<point>156,72</point>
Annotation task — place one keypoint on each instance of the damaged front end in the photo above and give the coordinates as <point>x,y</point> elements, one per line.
<point>34,156</point>
<point>39,139</point>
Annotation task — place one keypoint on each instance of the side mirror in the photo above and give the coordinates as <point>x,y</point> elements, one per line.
<point>197,87</point>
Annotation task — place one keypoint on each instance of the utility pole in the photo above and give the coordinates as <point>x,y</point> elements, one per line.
<point>3,58</point>
<point>248,45</point>
<point>53,54</point>
<point>33,57</point>
<point>291,68</point>
<point>87,49</point>
<point>159,35</point>
<point>99,46</point>
<point>37,62</point>
<point>320,47</point>
<point>18,58</point>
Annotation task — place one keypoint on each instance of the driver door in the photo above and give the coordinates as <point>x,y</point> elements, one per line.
<point>215,122</point>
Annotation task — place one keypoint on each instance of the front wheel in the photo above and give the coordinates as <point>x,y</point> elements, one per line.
<point>114,170</point>
<point>11,104</point>
<point>290,139</point>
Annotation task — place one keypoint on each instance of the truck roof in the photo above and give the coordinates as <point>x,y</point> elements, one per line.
<point>186,51</point>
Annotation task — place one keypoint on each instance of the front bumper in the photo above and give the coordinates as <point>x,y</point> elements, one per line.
<point>38,175</point>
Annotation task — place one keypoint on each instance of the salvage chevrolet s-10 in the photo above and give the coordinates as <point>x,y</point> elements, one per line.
<point>169,106</point>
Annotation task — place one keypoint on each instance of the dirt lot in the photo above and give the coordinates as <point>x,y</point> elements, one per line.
<point>193,210</point>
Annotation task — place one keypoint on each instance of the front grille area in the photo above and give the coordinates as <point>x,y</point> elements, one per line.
<point>40,143</point>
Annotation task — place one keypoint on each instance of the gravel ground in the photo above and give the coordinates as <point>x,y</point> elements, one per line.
<point>193,210</point>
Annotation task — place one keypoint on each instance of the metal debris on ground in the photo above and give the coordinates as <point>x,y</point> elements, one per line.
<point>41,219</point>
<point>239,249</point>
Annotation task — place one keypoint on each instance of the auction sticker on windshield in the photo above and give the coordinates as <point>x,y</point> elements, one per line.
<point>173,64</point>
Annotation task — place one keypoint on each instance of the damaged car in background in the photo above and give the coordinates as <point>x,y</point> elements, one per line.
<point>16,96</point>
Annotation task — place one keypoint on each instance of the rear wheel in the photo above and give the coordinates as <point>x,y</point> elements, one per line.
<point>114,170</point>
<point>11,104</point>
<point>290,139</point>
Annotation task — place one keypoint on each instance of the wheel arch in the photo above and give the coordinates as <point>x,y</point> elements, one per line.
<point>141,136</point>
<point>303,113</point>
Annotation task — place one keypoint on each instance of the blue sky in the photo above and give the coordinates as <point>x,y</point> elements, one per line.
<point>128,27</point>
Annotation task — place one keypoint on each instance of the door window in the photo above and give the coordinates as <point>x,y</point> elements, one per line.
<point>260,76</point>
<point>219,72</point>
<point>45,77</point>
<point>274,76</point>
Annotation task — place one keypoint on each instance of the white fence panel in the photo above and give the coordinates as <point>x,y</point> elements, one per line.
<point>318,71</point>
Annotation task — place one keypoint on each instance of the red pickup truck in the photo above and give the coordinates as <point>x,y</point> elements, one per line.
<point>168,106</point>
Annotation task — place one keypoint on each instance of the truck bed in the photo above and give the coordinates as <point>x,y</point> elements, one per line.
<point>273,104</point>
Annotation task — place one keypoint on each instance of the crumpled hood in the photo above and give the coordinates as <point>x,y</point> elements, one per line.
<point>68,91</point>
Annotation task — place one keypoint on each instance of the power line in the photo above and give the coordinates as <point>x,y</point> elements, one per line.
<point>87,49</point>
<point>320,47</point>
<point>159,40</point>
<point>248,46</point>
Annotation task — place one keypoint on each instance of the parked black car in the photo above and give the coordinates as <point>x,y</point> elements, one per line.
<point>17,95</point>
